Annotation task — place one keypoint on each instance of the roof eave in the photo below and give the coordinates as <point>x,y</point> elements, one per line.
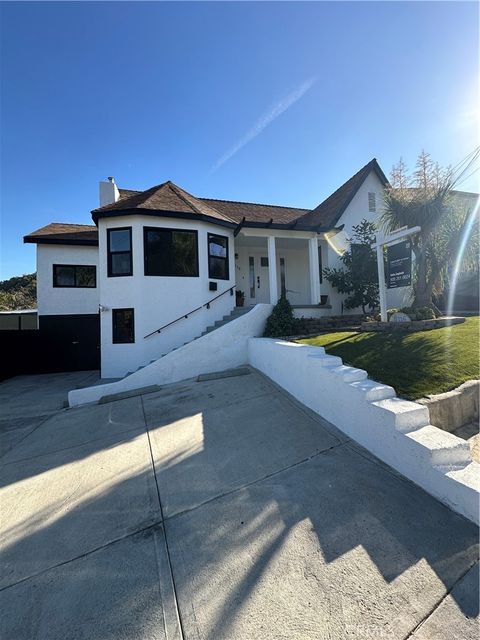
<point>47,240</point>
<point>374,166</point>
<point>184,215</point>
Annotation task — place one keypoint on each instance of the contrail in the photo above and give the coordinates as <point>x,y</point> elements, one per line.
<point>266,119</point>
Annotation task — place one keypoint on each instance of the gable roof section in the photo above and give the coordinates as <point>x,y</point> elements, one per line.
<point>60,233</point>
<point>166,198</point>
<point>329,212</point>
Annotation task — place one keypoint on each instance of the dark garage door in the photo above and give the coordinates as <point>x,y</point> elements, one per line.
<point>61,343</point>
<point>75,340</point>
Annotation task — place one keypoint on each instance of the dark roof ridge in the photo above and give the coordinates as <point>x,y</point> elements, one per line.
<point>370,164</point>
<point>330,210</point>
<point>256,204</point>
<point>181,193</point>
<point>145,194</point>
<point>76,224</point>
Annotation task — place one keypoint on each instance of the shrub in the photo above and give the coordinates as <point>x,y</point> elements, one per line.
<point>419,313</point>
<point>281,321</point>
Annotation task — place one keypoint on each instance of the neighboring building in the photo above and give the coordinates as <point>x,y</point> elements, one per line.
<point>18,320</point>
<point>164,259</point>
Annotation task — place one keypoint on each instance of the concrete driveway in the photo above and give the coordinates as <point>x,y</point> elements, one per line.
<point>215,509</point>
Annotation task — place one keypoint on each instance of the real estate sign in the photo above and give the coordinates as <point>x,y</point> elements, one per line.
<point>399,265</point>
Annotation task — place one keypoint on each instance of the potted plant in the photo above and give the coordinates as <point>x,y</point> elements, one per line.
<point>239,298</point>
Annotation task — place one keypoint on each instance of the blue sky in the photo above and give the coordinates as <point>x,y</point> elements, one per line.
<point>264,102</point>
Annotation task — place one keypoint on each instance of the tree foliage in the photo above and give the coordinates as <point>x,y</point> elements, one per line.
<point>281,321</point>
<point>359,278</point>
<point>19,292</point>
<point>427,199</point>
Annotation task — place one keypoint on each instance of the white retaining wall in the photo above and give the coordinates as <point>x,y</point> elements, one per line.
<point>224,348</point>
<point>396,431</point>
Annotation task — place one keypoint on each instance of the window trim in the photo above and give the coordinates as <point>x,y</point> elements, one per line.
<point>172,229</point>
<point>55,284</point>
<point>110,253</point>
<point>114,341</point>
<point>227,258</point>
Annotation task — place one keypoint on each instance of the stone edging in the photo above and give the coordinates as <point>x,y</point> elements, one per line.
<point>414,325</point>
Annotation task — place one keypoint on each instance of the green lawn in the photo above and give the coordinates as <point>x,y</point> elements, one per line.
<point>415,364</point>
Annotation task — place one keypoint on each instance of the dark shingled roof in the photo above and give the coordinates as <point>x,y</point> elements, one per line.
<point>254,212</point>
<point>60,233</point>
<point>126,193</point>
<point>329,212</point>
<point>167,198</point>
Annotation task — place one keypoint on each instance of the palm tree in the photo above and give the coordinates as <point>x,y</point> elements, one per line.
<point>428,200</point>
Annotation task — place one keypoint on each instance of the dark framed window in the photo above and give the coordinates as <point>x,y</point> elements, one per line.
<point>119,250</point>
<point>264,262</point>
<point>123,326</point>
<point>170,252</point>
<point>320,264</point>
<point>218,257</point>
<point>75,275</point>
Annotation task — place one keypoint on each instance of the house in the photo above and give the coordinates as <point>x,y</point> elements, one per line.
<point>160,266</point>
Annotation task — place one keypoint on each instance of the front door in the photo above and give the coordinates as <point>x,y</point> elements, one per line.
<point>258,287</point>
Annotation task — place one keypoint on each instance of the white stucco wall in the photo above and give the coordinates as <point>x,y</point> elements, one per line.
<point>158,300</point>
<point>356,211</point>
<point>224,348</point>
<point>395,430</point>
<point>65,300</point>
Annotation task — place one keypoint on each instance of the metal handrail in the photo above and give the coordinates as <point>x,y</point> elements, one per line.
<point>185,315</point>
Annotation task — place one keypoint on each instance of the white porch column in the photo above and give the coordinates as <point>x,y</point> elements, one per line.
<point>272,270</point>
<point>314,270</point>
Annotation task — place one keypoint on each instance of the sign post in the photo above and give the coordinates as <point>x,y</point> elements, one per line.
<point>398,277</point>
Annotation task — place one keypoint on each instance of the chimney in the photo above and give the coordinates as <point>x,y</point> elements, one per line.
<point>108,192</point>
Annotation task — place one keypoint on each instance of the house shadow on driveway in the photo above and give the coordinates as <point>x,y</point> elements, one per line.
<point>277,526</point>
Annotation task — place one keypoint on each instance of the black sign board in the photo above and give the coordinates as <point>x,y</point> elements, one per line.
<point>399,265</point>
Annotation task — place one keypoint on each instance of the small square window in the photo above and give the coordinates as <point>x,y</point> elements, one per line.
<point>64,276</point>
<point>85,276</point>
<point>123,326</point>
<point>264,262</point>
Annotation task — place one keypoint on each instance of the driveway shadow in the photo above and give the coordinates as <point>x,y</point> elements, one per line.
<point>277,527</point>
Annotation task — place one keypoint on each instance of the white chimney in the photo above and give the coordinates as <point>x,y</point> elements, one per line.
<point>108,192</point>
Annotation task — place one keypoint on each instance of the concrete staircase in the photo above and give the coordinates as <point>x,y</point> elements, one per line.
<point>237,312</point>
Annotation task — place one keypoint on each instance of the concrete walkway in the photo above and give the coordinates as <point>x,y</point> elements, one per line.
<point>215,509</point>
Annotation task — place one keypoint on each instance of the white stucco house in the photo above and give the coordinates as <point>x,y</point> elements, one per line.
<point>160,266</point>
